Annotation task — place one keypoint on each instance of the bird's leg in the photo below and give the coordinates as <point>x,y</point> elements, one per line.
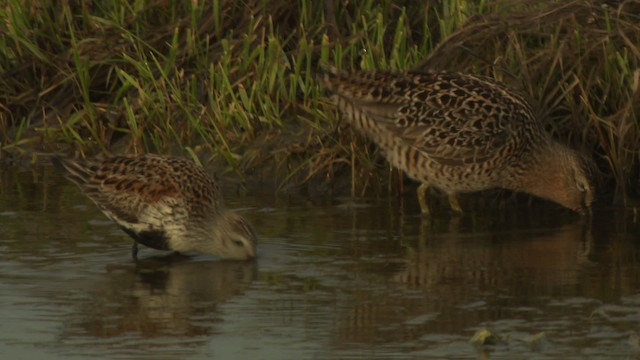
<point>422,198</point>
<point>453,202</point>
<point>134,251</point>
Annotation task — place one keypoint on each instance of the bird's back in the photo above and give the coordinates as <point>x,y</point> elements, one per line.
<point>127,187</point>
<point>452,118</point>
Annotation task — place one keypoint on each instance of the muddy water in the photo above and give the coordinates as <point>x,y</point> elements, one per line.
<point>339,278</point>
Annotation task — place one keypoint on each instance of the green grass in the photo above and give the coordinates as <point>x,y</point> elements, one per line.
<point>234,82</point>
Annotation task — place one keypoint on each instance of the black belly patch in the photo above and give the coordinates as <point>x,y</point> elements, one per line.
<point>156,239</point>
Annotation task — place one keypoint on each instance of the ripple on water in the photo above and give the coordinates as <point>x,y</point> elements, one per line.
<point>370,279</point>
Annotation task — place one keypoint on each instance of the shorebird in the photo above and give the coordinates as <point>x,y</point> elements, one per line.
<point>460,133</point>
<point>163,202</point>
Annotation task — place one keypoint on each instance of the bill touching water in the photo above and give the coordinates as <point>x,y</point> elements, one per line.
<point>334,278</point>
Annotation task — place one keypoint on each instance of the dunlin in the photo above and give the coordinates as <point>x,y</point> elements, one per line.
<point>163,202</point>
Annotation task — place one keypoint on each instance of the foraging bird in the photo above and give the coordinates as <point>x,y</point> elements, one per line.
<point>460,133</point>
<point>162,202</point>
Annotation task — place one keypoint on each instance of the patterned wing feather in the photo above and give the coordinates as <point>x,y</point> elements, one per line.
<point>453,118</point>
<point>124,187</point>
<point>117,185</point>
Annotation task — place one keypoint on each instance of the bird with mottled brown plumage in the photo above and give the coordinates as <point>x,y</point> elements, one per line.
<point>163,202</point>
<point>460,133</point>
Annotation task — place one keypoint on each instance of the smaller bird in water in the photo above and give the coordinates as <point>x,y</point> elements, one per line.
<point>165,203</point>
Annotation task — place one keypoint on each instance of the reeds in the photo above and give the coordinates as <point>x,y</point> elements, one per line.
<point>234,82</point>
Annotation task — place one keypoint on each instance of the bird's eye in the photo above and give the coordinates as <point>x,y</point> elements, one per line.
<point>238,243</point>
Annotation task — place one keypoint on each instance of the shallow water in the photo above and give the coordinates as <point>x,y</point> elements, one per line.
<point>340,278</point>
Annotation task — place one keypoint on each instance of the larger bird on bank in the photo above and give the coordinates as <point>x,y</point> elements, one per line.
<point>460,133</point>
<point>162,202</point>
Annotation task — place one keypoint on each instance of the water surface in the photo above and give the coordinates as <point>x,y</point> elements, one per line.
<point>336,278</point>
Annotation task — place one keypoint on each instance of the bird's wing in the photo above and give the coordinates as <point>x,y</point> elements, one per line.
<point>120,186</point>
<point>453,118</point>
<point>449,136</point>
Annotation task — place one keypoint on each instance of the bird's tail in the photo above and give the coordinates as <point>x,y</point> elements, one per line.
<point>331,77</point>
<point>76,170</point>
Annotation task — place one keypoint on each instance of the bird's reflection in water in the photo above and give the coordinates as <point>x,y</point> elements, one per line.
<point>488,269</point>
<point>547,257</point>
<point>170,296</point>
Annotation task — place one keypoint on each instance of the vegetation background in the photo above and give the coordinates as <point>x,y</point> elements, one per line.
<point>232,83</point>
